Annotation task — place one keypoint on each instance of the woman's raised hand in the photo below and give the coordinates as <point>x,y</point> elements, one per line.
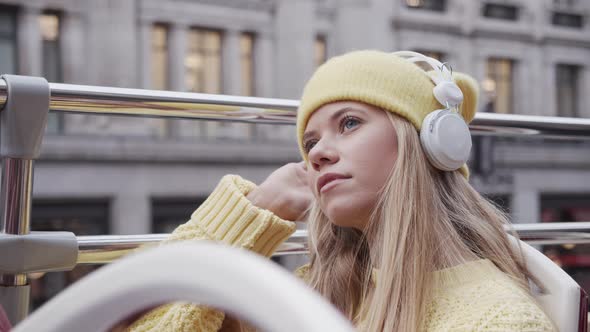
<point>285,192</point>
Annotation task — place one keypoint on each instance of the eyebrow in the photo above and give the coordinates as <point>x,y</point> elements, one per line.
<point>336,115</point>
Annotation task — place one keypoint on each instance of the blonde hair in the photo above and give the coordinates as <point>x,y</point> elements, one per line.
<point>439,221</point>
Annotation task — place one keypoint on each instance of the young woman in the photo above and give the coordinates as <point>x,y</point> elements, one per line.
<point>399,240</point>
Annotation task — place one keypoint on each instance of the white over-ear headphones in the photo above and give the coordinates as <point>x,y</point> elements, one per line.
<point>445,136</point>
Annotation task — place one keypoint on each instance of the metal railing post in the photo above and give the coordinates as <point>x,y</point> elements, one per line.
<point>22,125</point>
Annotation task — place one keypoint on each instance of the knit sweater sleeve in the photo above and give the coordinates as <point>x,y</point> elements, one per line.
<point>227,216</point>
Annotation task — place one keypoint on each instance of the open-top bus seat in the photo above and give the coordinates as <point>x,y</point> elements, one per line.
<point>564,300</point>
<point>237,281</point>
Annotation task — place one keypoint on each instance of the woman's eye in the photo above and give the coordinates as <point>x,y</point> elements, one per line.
<point>309,145</point>
<point>349,122</point>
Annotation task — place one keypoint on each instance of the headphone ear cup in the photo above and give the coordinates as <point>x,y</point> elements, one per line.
<point>445,139</point>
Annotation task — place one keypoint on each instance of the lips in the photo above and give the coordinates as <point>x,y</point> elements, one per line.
<point>328,178</point>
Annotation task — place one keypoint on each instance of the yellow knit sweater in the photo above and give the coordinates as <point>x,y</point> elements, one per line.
<point>471,297</point>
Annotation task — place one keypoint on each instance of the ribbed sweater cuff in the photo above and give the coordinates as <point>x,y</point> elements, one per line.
<point>228,216</point>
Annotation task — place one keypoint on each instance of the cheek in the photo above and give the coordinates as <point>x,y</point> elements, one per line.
<point>374,161</point>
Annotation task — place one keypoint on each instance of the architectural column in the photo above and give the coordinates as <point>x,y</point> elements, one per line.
<point>584,86</point>
<point>521,86</point>
<point>525,206</point>
<point>231,71</point>
<point>177,48</point>
<point>470,10</point>
<point>230,62</point>
<point>145,54</point>
<point>131,214</point>
<point>264,84</point>
<point>463,54</point>
<point>536,74</point>
<point>29,42</point>
<point>73,51</point>
<point>550,97</point>
<point>478,68</point>
<point>264,61</point>
<point>295,36</point>
<point>382,31</point>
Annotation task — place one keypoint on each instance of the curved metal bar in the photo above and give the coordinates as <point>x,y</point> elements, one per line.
<point>154,103</point>
<point>107,248</point>
<point>554,233</point>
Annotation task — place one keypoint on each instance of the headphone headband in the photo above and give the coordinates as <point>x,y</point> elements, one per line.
<point>444,75</point>
<point>446,91</point>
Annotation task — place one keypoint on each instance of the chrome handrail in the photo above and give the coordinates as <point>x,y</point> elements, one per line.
<point>156,103</point>
<point>104,249</point>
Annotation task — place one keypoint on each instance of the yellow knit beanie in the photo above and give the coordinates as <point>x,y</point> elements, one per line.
<point>383,80</point>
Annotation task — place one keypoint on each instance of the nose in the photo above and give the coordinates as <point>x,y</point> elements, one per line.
<point>322,154</point>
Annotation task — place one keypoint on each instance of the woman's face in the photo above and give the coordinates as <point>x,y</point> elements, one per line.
<point>351,150</point>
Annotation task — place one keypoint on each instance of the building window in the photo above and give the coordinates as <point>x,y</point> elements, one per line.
<point>81,217</point>
<point>502,12</point>
<point>170,212</point>
<point>159,57</point>
<point>433,54</point>
<point>568,207</point>
<point>320,49</point>
<point>203,74</point>
<point>434,5</point>
<point>499,85</point>
<point>49,24</point>
<point>247,63</point>
<point>566,83</point>
<point>568,20</point>
<point>565,3</point>
<point>8,40</point>
<point>203,61</point>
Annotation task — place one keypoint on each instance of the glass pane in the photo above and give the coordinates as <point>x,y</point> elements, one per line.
<point>52,67</point>
<point>52,61</point>
<point>7,40</point>
<point>159,57</point>
<point>169,213</point>
<point>499,84</point>
<point>568,20</point>
<point>502,12</point>
<point>203,61</point>
<point>435,5</point>
<point>214,75</point>
<point>567,90</point>
<point>49,25</point>
<point>7,54</point>
<point>211,42</point>
<point>7,22</point>
<point>247,64</point>
<point>202,74</point>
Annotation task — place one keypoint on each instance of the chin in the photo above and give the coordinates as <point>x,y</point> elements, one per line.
<point>345,220</point>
